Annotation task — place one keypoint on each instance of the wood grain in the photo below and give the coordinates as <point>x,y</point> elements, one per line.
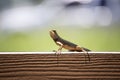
<point>66,66</point>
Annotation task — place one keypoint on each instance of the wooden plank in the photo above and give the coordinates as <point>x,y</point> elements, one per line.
<point>66,66</point>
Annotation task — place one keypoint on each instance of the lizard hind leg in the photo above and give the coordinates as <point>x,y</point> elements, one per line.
<point>86,52</point>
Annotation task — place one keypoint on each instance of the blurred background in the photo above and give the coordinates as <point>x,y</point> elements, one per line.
<point>25,24</point>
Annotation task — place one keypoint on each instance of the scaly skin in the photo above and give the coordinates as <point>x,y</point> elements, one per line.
<point>66,44</point>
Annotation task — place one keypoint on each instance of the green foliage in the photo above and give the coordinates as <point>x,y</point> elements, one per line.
<point>96,39</point>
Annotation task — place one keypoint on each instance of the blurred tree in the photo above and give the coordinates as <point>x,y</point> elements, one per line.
<point>103,3</point>
<point>73,4</point>
<point>4,4</point>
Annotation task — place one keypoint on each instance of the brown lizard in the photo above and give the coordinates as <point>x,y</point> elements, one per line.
<point>66,44</point>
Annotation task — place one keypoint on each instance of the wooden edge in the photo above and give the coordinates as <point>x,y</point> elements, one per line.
<point>61,52</point>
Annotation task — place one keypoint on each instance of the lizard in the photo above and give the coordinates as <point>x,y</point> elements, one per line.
<point>67,44</point>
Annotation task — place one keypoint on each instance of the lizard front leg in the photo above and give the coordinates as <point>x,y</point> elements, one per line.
<point>61,46</point>
<point>59,50</point>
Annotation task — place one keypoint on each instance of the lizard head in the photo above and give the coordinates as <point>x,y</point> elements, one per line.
<point>54,34</point>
